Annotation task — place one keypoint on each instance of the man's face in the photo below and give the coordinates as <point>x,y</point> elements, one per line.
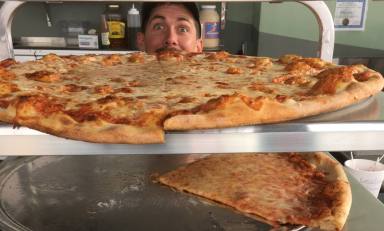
<point>170,26</point>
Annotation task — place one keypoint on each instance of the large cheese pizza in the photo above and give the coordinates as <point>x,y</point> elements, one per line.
<point>134,98</point>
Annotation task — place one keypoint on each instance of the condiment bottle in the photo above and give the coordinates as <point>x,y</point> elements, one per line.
<point>116,26</point>
<point>104,33</point>
<point>133,26</point>
<point>210,21</point>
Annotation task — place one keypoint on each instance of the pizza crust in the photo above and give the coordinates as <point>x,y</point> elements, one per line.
<point>95,131</point>
<point>7,115</point>
<point>340,190</point>
<point>236,112</point>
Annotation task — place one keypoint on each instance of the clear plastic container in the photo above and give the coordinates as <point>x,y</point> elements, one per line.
<point>210,21</point>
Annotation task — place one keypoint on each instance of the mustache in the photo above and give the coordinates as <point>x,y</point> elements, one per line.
<point>167,49</point>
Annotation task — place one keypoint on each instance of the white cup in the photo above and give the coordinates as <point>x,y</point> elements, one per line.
<point>368,172</point>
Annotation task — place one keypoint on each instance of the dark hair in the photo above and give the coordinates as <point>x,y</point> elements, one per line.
<point>148,7</point>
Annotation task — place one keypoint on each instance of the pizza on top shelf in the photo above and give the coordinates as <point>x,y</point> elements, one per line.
<point>134,98</point>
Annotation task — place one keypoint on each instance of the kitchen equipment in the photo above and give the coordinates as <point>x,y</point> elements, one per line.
<point>72,29</point>
<point>43,42</point>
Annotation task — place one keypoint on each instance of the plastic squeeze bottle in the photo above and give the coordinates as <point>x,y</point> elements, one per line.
<point>133,26</point>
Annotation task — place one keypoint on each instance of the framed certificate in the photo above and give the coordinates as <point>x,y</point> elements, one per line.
<point>350,14</point>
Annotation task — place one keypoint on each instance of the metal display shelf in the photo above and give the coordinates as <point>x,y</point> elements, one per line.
<point>358,127</point>
<point>115,192</point>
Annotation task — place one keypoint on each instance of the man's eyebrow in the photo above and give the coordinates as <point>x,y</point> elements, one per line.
<point>183,19</point>
<point>163,18</point>
<point>156,17</point>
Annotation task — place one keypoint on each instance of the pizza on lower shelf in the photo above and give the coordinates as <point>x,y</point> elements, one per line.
<point>133,98</point>
<point>308,189</point>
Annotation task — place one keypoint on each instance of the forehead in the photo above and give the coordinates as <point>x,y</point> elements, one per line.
<point>171,11</point>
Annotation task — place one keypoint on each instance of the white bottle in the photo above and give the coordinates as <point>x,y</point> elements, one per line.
<point>210,21</point>
<point>133,26</point>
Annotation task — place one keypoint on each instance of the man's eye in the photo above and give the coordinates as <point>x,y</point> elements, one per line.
<point>183,29</point>
<point>158,27</point>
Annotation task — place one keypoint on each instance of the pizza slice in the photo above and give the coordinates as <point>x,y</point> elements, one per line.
<point>234,90</point>
<point>106,98</point>
<point>308,189</point>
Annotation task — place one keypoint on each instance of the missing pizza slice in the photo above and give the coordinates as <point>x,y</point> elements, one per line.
<point>308,189</point>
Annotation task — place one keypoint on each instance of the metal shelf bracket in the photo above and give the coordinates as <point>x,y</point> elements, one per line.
<point>327,30</point>
<point>7,12</point>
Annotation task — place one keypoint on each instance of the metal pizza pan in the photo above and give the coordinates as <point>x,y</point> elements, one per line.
<point>60,193</point>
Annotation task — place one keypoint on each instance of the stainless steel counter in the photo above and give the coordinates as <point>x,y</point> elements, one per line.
<point>359,127</point>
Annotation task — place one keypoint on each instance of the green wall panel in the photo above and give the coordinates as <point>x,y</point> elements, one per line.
<point>241,12</point>
<point>289,19</point>
<point>296,21</point>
